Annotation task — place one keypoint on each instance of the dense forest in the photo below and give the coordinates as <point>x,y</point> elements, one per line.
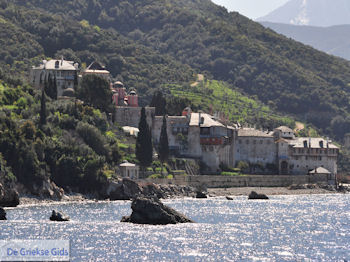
<point>288,76</point>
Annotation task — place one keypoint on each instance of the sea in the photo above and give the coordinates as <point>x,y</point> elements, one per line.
<point>284,228</point>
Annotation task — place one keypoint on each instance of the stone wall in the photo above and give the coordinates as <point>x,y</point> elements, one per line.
<point>130,116</point>
<point>242,181</point>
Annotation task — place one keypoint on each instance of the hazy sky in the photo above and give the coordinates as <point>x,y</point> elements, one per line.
<point>251,8</point>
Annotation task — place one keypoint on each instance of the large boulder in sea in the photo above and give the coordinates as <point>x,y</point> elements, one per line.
<point>59,216</point>
<point>2,214</point>
<point>153,212</point>
<point>9,196</point>
<point>254,195</point>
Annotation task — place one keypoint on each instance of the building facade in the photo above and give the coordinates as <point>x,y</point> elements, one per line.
<point>64,72</point>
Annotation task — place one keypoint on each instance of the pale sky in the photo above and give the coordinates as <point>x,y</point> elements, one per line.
<point>251,8</point>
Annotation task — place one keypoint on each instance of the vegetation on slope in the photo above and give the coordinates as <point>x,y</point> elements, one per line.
<point>287,75</point>
<point>76,147</point>
<point>231,105</point>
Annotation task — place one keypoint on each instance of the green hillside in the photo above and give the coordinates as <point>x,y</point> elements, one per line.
<point>216,97</point>
<point>287,75</point>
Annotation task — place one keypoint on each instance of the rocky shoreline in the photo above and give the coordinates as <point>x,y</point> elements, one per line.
<point>127,189</point>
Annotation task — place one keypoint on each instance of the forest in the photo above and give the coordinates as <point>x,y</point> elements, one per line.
<point>286,75</point>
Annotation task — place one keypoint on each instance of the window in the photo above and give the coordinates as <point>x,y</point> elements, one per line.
<point>254,142</point>
<point>261,142</point>
<point>247,142</point>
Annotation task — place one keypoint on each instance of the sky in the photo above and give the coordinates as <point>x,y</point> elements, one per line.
<point>251,8</point>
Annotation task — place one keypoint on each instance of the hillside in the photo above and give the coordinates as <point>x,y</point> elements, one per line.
<point>334,40</point>
<point>288,76</point>
<point>311,12</point>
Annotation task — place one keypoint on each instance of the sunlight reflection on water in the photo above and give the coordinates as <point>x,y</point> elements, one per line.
<point>285,228</point>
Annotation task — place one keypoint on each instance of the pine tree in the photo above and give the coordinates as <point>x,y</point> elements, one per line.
<point>144,149</point>
<point>43,109</point>
<point>163,148</point>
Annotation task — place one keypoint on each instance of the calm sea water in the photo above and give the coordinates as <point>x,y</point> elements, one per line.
<point>285,228</point>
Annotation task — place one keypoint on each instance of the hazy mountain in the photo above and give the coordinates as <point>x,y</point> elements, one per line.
<point>311,12</point>
<point>333,40</point>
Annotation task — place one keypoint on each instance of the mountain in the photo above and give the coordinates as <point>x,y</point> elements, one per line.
<point>334,40</point>
<point>311,12</point>
<point>152,43</point>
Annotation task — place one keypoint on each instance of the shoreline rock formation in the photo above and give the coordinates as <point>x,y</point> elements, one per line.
<point>2,214</point>
<point>254,195</point>
<point>153,212</point>
<point>9,196</point>
<point>127,189</point>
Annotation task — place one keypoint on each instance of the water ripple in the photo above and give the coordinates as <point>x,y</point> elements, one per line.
<point>286,228</point>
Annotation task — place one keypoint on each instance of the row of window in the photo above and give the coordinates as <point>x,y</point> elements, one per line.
<point>254,142</point>
<point>314,150</point>
<point>315,158</point>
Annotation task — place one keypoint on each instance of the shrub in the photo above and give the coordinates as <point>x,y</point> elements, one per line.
<point>92,137</point>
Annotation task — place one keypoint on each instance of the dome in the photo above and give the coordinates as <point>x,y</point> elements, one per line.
<point>69,92</point>
<point>118,84</point>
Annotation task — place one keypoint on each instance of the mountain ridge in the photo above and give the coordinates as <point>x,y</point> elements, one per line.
<point>333,40</point>
<point>311,12</point>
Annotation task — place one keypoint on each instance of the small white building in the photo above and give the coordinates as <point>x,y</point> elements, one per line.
<point>129,170</point>
<point>65,73</point>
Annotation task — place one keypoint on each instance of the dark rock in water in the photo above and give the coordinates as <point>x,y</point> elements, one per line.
<point>153,212</point>
<point>201,195</point>
<point>2,214</point>
<point>254,195</point>
<point>229,198</point>
<point>58,216</point>
<point>9,196</point>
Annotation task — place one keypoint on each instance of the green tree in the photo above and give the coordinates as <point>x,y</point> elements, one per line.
<point>163,148</point>
<point>144,149</point>
<point>159,102</point>
<point>96,92</point>
<point>50,87</point>
<point>42,109</point>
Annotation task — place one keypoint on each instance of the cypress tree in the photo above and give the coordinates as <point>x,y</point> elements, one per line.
<point>54,88</point>
<point>43,109</point>
<point>144,149</point>
<point>159,102</point>
<point>163,148</point>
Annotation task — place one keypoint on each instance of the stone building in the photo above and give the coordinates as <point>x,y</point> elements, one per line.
<point>281,151</point>
<point>65,73</point>
<point>128,112</point>
<point>198,136</point>
<point>256,147</point>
